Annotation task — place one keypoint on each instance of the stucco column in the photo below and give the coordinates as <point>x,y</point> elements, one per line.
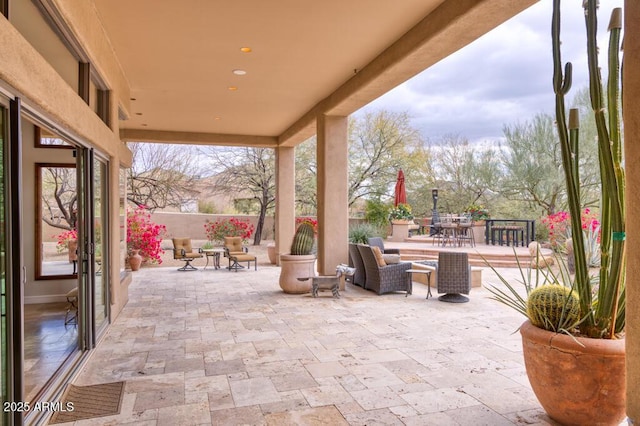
<point>631,112</point>
<point>285,199</point>
<point>333,193</point>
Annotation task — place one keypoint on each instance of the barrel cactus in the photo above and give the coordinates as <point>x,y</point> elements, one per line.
<point>303,240</point>
<point>553,307</point>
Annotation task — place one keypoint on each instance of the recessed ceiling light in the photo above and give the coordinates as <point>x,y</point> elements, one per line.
<point>232,88</point>
<point>239,72</point>
<point>245,49</point>
<point>216,118</point>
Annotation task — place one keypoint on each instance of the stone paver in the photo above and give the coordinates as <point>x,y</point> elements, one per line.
<point>224,348</point>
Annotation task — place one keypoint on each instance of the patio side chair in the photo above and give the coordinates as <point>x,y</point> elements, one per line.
<point>237,254</point>
<point>182,250</point>
<point>453,277</point>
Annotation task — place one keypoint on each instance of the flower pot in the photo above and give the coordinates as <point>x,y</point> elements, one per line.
<point>271,252</point>
<point>576,383</point>
<point>294,267</point>
<point>135,260</point>
<point>73,250</point>
<point>478,230</point>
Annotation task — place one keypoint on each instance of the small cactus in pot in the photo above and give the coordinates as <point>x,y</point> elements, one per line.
<point>553,307</point>
<point>300,264</point>
<point>303,240</point>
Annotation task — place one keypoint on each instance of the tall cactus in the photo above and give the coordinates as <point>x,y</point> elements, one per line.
<point>605,317</point>
<point>303,240</point>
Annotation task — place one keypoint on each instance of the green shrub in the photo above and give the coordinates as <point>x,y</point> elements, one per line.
<point>377,213</point>
<point>360,233</point>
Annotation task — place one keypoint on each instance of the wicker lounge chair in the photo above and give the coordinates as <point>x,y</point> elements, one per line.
<point>378,242</point>
<point>384,279</point>
<point>355,260</point>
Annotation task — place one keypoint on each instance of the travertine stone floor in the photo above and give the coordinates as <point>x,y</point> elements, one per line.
<point>225,348</point>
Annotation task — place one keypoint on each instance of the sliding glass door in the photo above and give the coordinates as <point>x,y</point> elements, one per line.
<point>100,238</point>
<point>3,266</point>
<point>93,238</point>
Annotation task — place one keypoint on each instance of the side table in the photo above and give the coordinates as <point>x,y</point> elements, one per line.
<point>215,254</point>
<point>426,272</point>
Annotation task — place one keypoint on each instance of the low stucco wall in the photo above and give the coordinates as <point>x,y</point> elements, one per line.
<point>191,225</point>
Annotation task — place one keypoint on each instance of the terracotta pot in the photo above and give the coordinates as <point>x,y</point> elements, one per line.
<point>135,260</point>
<point>73,250</point>
<point>576,385</point>
<point>294,267</point>
<point>271,252</point>
<point>401,221</point>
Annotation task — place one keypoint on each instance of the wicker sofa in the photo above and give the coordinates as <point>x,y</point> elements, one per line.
<point>384,279</point>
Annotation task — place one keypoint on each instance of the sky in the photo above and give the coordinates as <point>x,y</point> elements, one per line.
<point>501,79</point>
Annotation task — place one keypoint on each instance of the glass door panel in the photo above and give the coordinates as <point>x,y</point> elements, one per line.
<point>100,228</point>
<point>3,268</point>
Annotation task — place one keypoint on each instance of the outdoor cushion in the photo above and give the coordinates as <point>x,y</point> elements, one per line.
<point>234,245</point>
<point>379,257</point>
<point>391,259</point>
<point>182,248</point>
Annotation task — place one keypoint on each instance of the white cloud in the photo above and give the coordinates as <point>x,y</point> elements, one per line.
<point>502,78</point>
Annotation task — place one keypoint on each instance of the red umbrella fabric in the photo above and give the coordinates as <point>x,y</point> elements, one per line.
<point>401,194</point>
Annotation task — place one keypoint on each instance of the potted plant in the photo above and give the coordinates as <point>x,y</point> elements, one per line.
<point>68,240</point>
<point>478,213</point>
<point>573,340</point>
<point>300,263</point>
<point>144,237</point>
<point>401,214</point>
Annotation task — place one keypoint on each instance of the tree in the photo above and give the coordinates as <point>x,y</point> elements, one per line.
<point>161,175</point>
<point>533,163</point>
<point>380,143</point>
<point>465,173</point>
<point>59,197</point>
<point>249,171</point>
<point>306,178</point>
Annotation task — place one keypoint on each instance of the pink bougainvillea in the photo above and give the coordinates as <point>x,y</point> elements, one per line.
<point>63,239</point>
<point>216,231</point>
<point>145,235</point>
<point>559,225</point>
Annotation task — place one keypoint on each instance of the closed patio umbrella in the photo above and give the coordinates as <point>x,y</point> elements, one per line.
<point>401,194</point>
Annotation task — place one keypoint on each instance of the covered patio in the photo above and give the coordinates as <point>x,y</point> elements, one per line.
<point>232,348</point>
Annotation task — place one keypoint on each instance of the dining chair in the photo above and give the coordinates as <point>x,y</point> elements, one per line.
<point>449,230</point>
<point>465,231</point>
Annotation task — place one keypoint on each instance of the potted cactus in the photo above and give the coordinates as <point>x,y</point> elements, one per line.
<point>300,263</point>
<point>573,341</point>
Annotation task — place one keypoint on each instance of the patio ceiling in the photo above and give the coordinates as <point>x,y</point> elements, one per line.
<point>307,57</point>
